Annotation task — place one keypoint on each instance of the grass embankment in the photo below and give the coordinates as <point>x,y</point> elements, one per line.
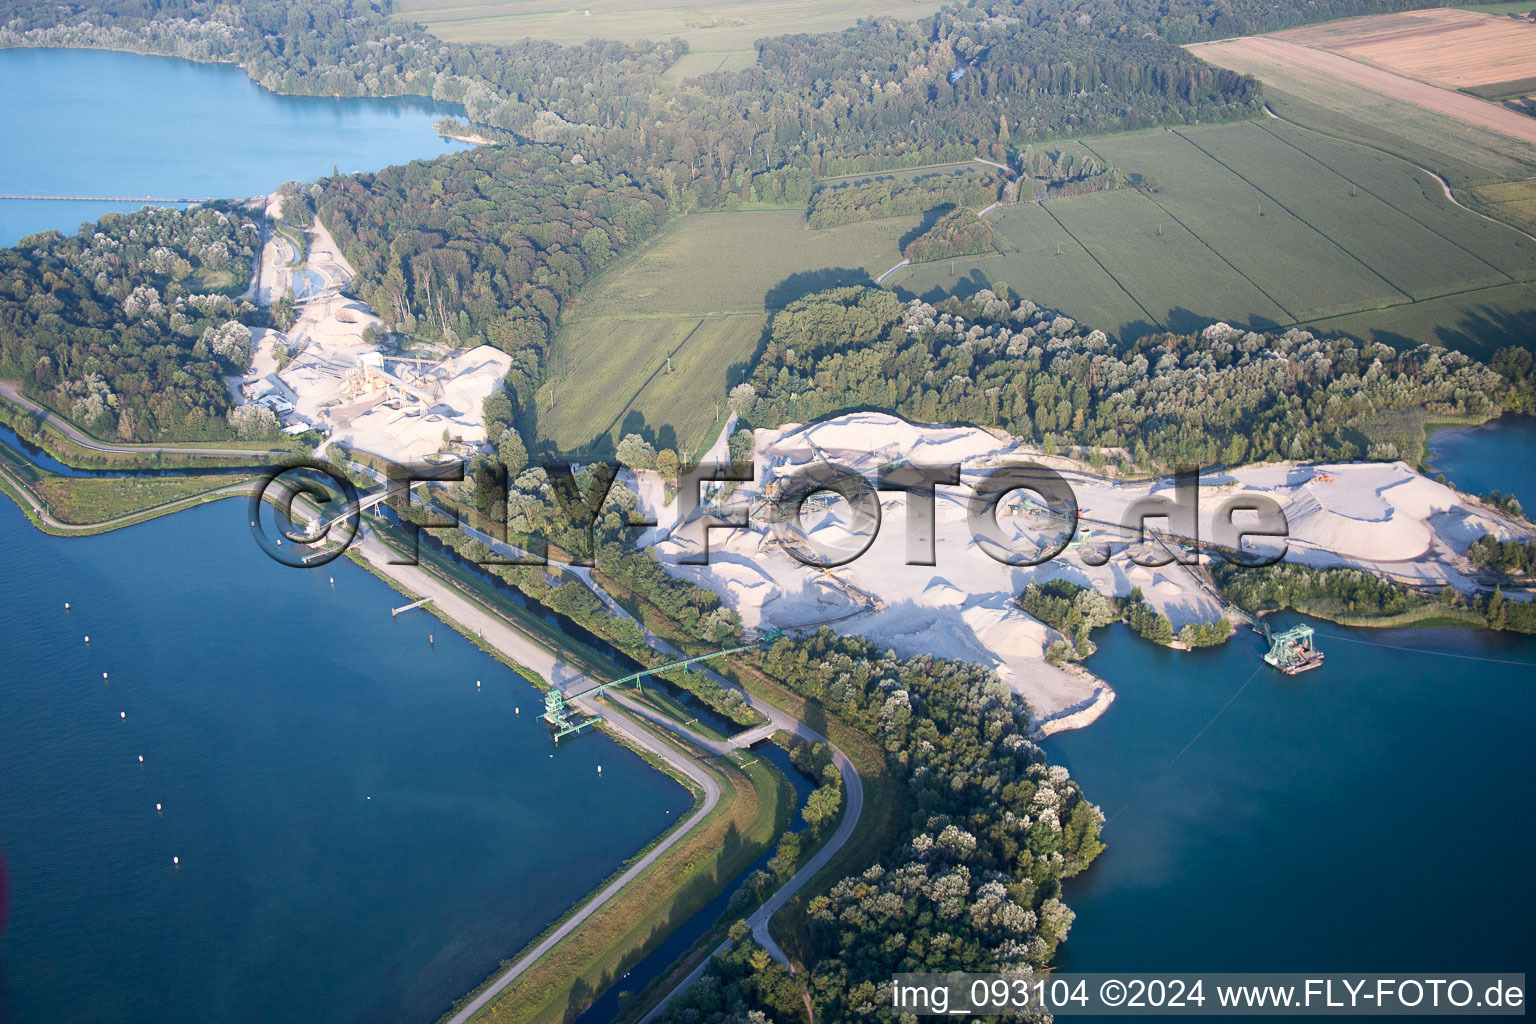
<point>1430,614</point>
<point>756,804</point>
<point>107,503</point>
<point>661,702</point>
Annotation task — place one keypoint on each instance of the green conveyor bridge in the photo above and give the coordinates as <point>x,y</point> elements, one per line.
<point>559,713</point>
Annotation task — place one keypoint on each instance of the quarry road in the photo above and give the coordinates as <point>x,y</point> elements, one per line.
<point>853,786</point>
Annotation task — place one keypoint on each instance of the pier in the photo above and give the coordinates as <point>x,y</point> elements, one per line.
<point>408,607</point>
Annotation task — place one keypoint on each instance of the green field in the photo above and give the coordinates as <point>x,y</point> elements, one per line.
<point>703,62</point>
<point>720,25</point>
<point>1463,154</point>
<point>697,294</point>
<point>1266,225</point>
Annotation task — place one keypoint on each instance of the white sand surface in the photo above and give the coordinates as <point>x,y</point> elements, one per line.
<point>1379,516</point>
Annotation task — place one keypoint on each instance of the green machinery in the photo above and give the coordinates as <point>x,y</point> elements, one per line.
<point>557,706</point>
<point>1294,651</point>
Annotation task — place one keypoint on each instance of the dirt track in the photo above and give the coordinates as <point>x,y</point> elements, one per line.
<point>1453,104</point>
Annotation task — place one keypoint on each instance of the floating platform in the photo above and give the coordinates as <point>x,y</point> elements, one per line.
<point>1294,651</point>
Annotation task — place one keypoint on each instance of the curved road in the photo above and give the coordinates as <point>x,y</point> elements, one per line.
<point>13,394</point>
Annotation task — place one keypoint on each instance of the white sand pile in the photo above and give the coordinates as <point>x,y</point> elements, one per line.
<point>1370,514</point>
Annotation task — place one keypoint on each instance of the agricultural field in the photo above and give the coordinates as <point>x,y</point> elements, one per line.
<point>1442,46</point>
<point>1513,202</point>
<point>720,27</point>
<point>1047,265</point>
<point>1262,224</point>
<point>1463,153</point>
<point>697,295</point>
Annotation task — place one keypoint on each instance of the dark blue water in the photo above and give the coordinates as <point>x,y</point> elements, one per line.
<point>86,122</point>
<point>1497,456</point>
<point>1371,815</point>
<point>661,959</point>
<point>363,834</point>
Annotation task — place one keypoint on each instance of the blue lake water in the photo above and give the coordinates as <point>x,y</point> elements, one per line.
<point>1496,456</point>
<point>1371,815</point>
<point>363,834</point>
<point>87,122</point>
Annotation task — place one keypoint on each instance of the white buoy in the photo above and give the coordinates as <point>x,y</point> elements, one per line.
<point>66,606</point>
<point>103,675</point>
<point>123,715</point>
<point>517,711</point>
<point>157,808</point>
<point>477,684</point>
<point>87,639</point>
<point>176,861</point>
<point>367,798</point>
<point>599,769</point>
<point>141,759</point>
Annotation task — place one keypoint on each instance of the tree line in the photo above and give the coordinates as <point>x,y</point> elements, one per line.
<point>1223,396</point>
<point>1354,595</point>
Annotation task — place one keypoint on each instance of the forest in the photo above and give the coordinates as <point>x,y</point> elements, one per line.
<point>1223,396</point>
<point>958,233</point>
<point>487,247</point>
<point>973,879</point>
<point>130,327</point>
<point>892,197</point>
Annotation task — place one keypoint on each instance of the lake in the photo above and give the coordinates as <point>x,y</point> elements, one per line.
<point>92,122</point>
<point>363,833</point>
<point>1496,456</point>
<point>1371,815</point>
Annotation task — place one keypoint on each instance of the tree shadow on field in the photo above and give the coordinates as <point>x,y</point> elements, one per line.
<point>1487,328</point>
<point>930,218</point>
<point>809,282</point>
<point>963,287</point>
<point>634,422</point>
<point>1180,320</point>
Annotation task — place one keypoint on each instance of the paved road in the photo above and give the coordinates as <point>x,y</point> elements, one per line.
<point>12,393</point>
<point>758,921</point>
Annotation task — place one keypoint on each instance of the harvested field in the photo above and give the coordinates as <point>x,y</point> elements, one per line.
<point>1445,47</point>
<point>1242,54</point>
